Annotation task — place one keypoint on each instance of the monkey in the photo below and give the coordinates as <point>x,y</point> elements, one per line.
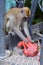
<point>16,19</point>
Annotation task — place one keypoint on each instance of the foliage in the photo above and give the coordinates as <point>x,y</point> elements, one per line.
<point>39,16</point>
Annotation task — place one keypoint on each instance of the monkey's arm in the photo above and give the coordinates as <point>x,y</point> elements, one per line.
<point>26,30</point>
<point>19,33</point>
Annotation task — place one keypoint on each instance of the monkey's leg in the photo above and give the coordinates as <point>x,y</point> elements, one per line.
<point>19,33</point>
<point>26,30</point>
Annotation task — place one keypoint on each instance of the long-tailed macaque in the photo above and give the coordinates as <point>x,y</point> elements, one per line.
<point>15,20</point>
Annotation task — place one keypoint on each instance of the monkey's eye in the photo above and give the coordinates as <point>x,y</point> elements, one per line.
<point>22,11</point>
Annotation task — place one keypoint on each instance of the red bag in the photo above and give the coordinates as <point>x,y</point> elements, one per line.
<point>30,49</point>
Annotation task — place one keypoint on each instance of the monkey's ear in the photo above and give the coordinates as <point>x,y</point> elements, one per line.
<point>28,12</point>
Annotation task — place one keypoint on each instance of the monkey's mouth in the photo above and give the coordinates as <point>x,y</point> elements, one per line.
<point>25,19</point>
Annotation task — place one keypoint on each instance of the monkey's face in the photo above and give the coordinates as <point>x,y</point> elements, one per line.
<point>24,14</point>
